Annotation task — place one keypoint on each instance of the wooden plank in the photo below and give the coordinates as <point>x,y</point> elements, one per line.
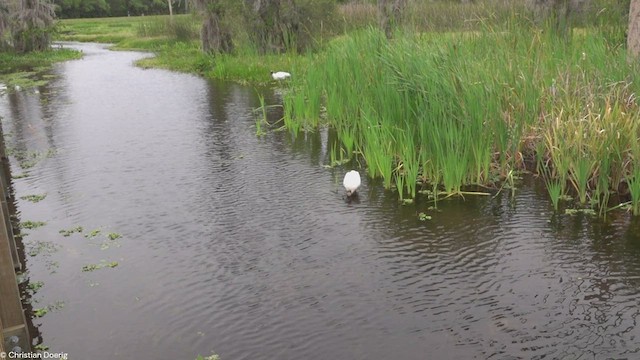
<point>1,340</point>
<point>5,180</point>
<point>12,240</point>
<point>24,342</point>
<point>10,305</point>
<point>12,319</point>
<point>5,213</point>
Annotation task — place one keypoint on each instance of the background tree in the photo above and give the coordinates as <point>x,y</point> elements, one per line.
<point>82,8</point>
<point>4,23</point>
<point>633,34</point>
<point>390,15</point>
<point>287,25</point>
<point>265,24</point>
<point>215,36</point>
<point>32,26</point>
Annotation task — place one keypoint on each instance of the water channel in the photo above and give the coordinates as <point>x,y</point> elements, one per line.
<point>245,246</point>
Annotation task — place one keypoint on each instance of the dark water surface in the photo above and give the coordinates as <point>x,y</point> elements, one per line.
<point>244,246</point>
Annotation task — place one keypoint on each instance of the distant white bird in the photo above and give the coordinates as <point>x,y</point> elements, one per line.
<point>280,75</point>
<point>351,182</point>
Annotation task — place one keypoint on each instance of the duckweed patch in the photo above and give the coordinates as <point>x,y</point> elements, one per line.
<point>423,217</point>
<point>34,198</point>
<point>113,236</point>
<point>40,312</point>
<point>34,286</point>
<point>31,224</point>
<point>93,233</point>
<point>68,232</point>
<point>101,265</point>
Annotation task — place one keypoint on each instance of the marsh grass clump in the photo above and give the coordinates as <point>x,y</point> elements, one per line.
<point>450,110</point>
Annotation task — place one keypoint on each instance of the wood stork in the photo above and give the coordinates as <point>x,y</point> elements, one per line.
<point>351,182</point>
<point>280,75</point>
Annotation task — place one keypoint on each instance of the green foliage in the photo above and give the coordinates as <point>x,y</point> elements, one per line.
<point>447,109</point>
<point>282,26</point>
<point>32,26</point>
<point>82,8</point>
<point>73,9</point>
<point>469,108</point>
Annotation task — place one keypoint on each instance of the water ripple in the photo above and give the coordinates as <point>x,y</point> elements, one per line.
<point>246,246</point>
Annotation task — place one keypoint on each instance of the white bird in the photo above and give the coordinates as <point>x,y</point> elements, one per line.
<point>351,182</point>
<point>280,75</point>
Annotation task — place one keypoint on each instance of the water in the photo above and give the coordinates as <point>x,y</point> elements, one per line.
<point>245,246</point>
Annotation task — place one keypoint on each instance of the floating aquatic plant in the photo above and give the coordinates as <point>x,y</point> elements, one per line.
<point>113,236</point>
<point>34,198</point>
<point>31,224</point>
<point>93,233</point>
<point>102,264</point>
<point>423,216</point>
<point>68,232</point>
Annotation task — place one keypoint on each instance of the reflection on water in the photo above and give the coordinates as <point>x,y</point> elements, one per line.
<point>245,245</point>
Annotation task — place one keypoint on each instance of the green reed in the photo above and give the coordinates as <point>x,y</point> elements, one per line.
<point>554,187</point>
<point>262,117</point>
<point>633,182</point>
<point>456,109</point>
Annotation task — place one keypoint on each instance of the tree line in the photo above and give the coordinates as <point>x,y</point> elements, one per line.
<point>273,25</point>
<point>66,9</point>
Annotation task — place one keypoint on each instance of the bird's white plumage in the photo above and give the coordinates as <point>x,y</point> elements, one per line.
<point>280,75</point>
<point>351,182</point>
